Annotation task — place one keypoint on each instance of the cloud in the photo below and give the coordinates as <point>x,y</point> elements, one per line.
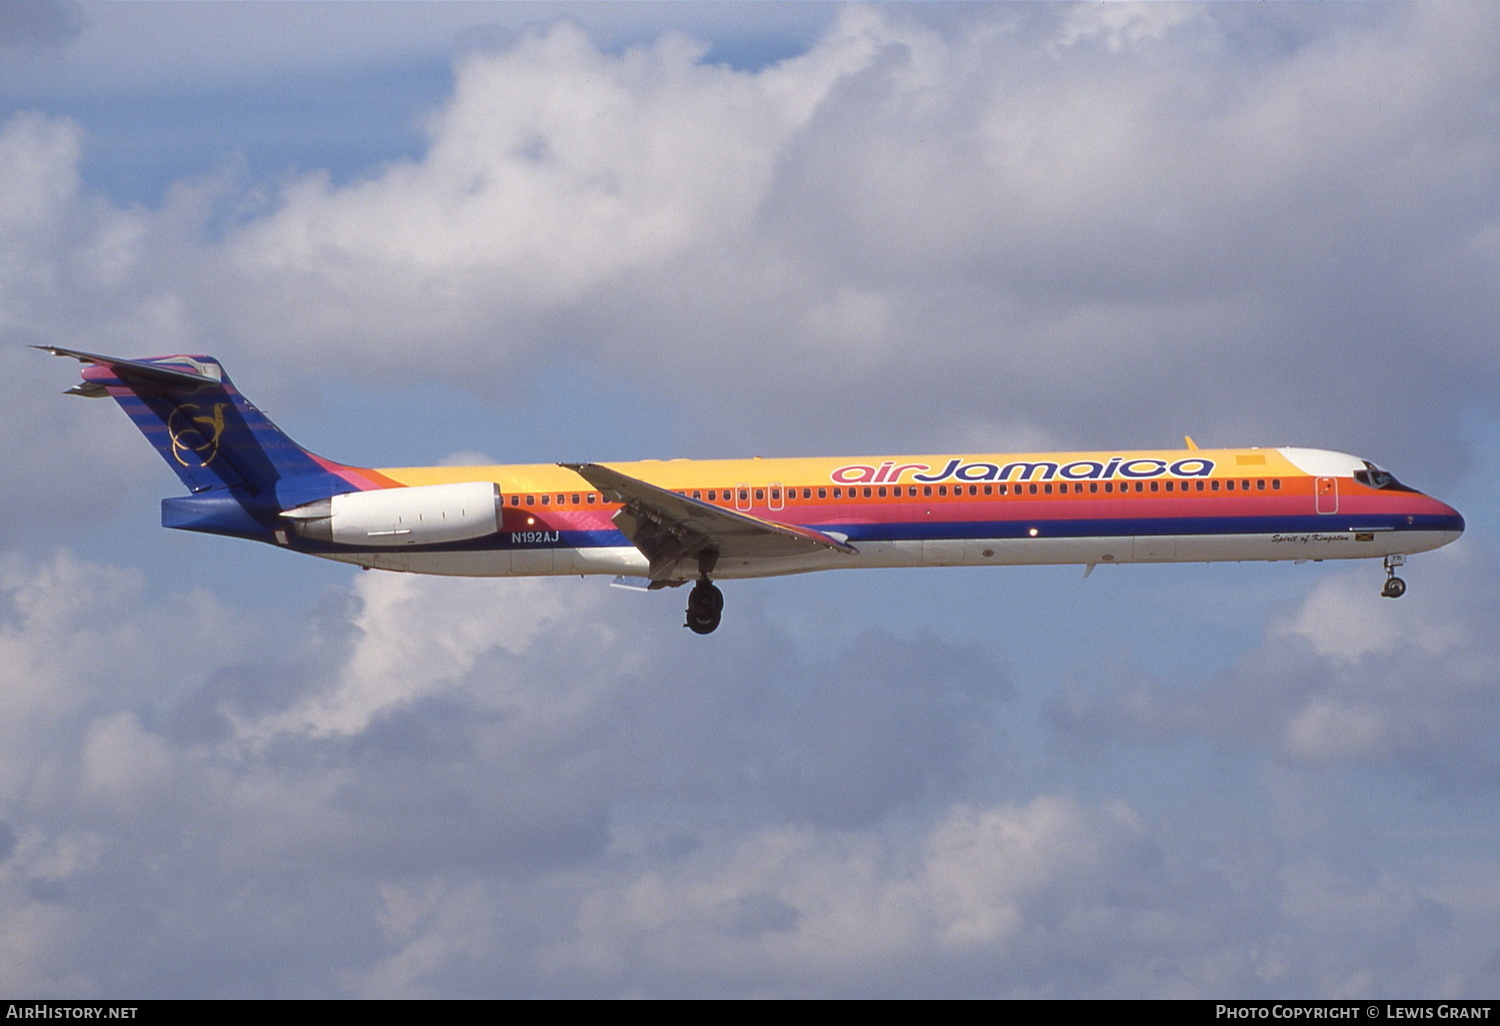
<point>73,272</point>
<point>527,787</point>
<point>1073,227</point>
<point>1104,227</point>
<point>545,809</point>
<point>860,912</point>
<point>1343,677</point>
<point>414,734</point>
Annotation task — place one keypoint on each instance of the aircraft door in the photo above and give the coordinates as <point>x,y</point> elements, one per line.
<point>1326,490</point>
<point>742,498</point>
<point>777,500</point>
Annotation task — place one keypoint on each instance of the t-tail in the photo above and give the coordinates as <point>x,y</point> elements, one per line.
<point>241,469</point>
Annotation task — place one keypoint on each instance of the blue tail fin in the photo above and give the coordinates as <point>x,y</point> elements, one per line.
<point>205,430</point>
<point>240,467</point>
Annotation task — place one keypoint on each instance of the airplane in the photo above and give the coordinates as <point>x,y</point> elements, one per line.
<point>663,523</point>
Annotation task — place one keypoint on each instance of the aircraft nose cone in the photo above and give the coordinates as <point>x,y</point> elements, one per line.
<point>1448,520</point>
<point>1458,524</point>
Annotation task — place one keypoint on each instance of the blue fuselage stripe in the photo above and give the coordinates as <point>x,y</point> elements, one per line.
<point>1116,527</point>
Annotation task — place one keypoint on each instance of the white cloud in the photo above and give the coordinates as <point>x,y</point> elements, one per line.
<point>416,635</point>
<point>818,909</point>
<point>533,788</point>
<point>1345,676</point>
<point>1072,228</point>
<point>1344,618</point>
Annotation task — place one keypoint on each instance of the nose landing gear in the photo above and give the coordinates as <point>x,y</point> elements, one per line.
<point>1395,587</point>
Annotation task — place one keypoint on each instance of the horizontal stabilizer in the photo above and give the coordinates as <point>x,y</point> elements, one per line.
<point>209,434</point>
<point>139,371</point>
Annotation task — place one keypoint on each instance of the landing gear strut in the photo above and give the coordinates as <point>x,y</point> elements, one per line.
<point>705,602</point>
<point>1395,587</point>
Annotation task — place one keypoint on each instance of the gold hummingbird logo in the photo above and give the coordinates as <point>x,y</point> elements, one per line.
<point>194,436</point>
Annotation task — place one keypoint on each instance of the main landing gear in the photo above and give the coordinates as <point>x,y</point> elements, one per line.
<point>1395,587</point>
<point>705,607</point>
<point>705,602</point>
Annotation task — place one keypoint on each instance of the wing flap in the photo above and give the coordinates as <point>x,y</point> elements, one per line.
<point>669,528</point>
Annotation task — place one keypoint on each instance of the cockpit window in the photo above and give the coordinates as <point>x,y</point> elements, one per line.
<point>1374,477</point>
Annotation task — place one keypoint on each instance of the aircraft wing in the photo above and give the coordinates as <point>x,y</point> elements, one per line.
<point>668,527</point>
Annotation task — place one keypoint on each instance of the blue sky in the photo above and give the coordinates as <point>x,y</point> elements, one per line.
<point>550,231</point>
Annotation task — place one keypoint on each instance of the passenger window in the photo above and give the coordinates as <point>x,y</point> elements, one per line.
<point>1199,485</point>
<point>531,500</point>
<point>760,494</point>
<point>927,489</point>
<point>1260,484</point>
<point>1229,486</point>
<point>1093,487</point>
<point>822,493</point>
<point>1033,489</point>
<point>1140,487</point>
<point>989,489</point>
<point>1214,485</point>
<point>1047,488</point>
<point>867,493</point>
<point>1002,489</point>
<point>775,494</point>
<point>1109,486</point>
<point>942,489</point>
<point>882,492</point>
<point>515,500</point>
<point>807,493</point>
<point>1276,484</point>
<point>577,499</point>
<point>545,498</point>
<point>1155,486</point>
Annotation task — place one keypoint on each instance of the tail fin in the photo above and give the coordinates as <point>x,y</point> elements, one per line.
<point>210,434</point>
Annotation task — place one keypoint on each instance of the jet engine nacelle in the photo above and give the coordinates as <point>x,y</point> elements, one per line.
<point>394,517</point>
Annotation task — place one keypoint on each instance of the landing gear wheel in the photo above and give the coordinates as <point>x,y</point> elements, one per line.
<point>705,608</point>
<point>1395,587</point>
